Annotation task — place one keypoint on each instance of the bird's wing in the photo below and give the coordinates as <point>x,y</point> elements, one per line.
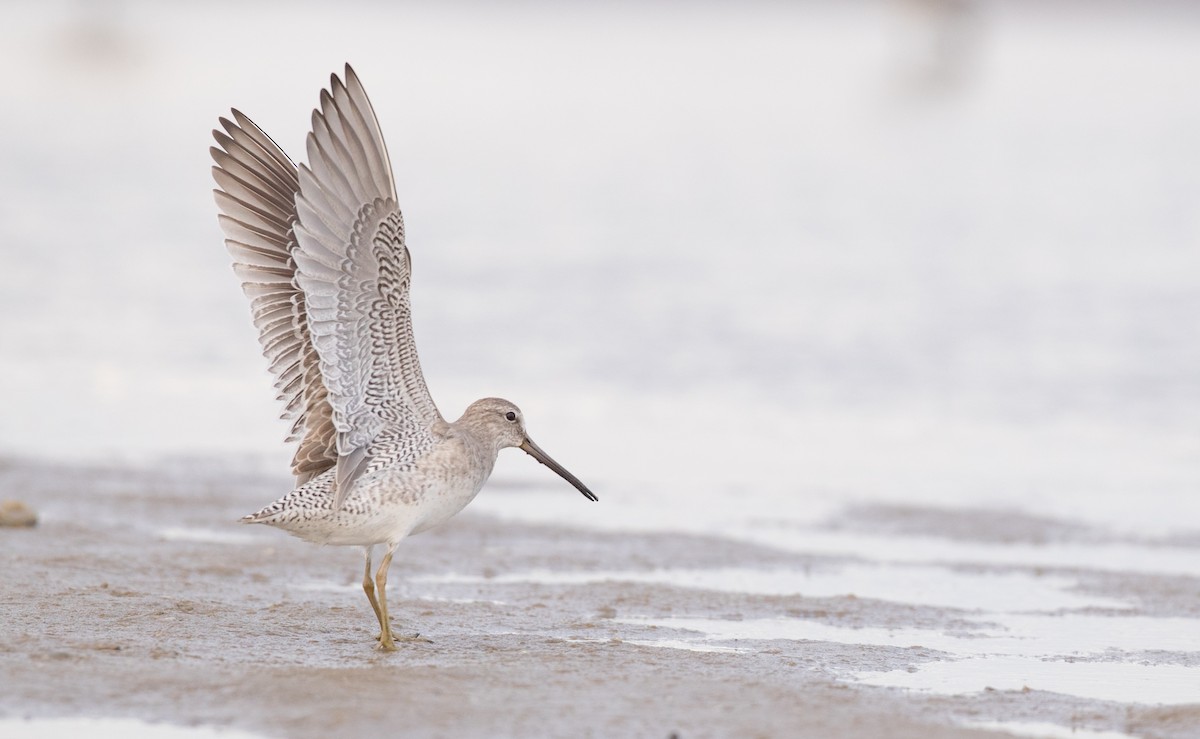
<point>354,269</point>
<point>257,186</point>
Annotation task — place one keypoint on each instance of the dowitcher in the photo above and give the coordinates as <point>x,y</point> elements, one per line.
<point>321,255</point>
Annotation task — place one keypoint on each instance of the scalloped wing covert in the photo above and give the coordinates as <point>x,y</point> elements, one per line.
<point>354,270</point>
<point>321,255</point>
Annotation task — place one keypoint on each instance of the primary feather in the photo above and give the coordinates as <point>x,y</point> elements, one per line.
<point>320,252</point>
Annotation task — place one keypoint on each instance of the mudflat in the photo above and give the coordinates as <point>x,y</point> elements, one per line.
<point>138,595</point>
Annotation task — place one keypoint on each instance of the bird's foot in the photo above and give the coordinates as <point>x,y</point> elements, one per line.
<point>387,642</point>
<point>386,645</point>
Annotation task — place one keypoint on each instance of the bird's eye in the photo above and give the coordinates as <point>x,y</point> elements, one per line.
<point>511,416</point>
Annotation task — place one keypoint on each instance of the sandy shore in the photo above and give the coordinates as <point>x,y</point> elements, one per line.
<point>138,596</point>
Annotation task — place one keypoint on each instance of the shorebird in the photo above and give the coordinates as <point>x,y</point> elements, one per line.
<point>321,255</point>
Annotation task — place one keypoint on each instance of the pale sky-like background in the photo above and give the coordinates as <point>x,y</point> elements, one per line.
<point>822,250</point>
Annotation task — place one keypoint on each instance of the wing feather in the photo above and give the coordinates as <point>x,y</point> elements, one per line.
<point>353,98</point>
<point>256,197</point>
<point>354,270</point>
<point>320,252</point>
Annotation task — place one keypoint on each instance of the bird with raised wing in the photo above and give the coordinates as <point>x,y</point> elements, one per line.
<point>320,252</point>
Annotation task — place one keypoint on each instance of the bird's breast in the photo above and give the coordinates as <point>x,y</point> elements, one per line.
<point>439,484</point>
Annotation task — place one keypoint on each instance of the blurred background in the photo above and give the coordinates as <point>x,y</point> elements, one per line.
<point>738,262</point>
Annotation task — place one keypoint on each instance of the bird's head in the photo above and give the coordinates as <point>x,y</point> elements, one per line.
<point>502,423</point>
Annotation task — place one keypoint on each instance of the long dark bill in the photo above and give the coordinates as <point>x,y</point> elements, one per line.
<point>536,452</point>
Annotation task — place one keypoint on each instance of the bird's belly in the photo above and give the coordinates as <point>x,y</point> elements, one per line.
<point>443,502</point>
<point>387,510</point>
<point>385,505</point>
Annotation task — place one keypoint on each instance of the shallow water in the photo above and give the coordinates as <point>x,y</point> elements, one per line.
<point>797,295</point>
<point>112,728</point>
<point>1106,681</point>
<point>996,635</point>
<point>1011,592</point>
<point>1052,654</point>
<point>1044,730</point>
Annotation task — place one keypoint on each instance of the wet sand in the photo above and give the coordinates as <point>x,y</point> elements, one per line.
<point>138,596</point>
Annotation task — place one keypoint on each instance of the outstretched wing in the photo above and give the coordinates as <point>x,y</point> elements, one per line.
<point>354,270</point>
<point>256,196</point>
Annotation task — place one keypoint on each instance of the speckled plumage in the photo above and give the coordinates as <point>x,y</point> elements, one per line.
<point>404,489</point>
<point>321,254</point>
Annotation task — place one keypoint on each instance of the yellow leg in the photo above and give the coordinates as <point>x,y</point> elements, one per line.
<point>386,643</point>
<point>369,589</point>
